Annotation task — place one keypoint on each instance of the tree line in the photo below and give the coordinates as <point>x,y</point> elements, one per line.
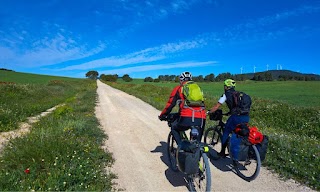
<point>261,76</point>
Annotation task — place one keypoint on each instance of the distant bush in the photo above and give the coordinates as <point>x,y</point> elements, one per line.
<point>148,79</point>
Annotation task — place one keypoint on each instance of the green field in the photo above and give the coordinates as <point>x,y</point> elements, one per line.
<point>28,78</point>
<point>63,150</point>
<point>23,95</point>
<point>298,93</point>
<point>288,112</point>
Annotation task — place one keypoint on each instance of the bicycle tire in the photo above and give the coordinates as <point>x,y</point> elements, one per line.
<point>172,148</point>
<point>202,180</point>
<point>249,169</point>
<point>212,138</point>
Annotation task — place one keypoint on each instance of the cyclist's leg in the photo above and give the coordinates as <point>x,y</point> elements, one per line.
<point>229,126</point>
<point>186,122</point>
<point>175,131</point>
<point>235,146</point>
<point>236,141</point>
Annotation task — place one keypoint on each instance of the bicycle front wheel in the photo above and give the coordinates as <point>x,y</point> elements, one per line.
<point>249,169</point>
<point>171,152</point>
<point>202,180</point>
<point>212,137</point>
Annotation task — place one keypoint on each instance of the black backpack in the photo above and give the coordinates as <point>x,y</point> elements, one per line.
<point>242,102</point>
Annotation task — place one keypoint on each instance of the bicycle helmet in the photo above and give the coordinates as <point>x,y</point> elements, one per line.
<point>230,83</point>
<point>185,76</point>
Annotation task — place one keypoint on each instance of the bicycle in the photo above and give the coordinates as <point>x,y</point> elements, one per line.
<point>248,168</point>
<point>201,180</point>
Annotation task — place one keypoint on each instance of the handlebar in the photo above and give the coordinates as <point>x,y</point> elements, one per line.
<point>217,115</point>
<point>170,117</point>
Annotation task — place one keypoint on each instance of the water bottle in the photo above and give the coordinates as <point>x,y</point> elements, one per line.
<point>194,134</point>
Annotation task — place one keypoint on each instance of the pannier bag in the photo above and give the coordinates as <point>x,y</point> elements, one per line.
<point>255,136</point>
<point>188,156</point>
<point>243,150</point>
<point>263,147</point>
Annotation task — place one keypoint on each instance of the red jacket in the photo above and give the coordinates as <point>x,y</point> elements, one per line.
<point>185,111</point>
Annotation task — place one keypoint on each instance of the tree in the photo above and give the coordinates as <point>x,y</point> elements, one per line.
<point>224,76</point>
<point>112,78</point>
<point>148,79</point>
<point>126,78</point>
<point>209,78</point>
<point>92,75</point>
<point>241,77</point>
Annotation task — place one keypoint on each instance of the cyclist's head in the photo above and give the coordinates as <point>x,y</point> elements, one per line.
<point>185,76</point>
<point>229,83</point>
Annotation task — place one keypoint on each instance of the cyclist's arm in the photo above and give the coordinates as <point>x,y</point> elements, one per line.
<point>174,97</point>
<point>222,99</point>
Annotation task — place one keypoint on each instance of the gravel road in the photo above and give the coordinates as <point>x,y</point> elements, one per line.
<point>137,140</point>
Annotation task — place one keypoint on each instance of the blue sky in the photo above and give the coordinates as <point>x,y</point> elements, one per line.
<point>157,37</point>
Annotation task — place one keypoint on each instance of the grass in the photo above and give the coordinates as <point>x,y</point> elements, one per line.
<point>63,150</point>
<point>21,100</point>
<point>291,124</point>
<point>299,93</point>
<point>23,78</point>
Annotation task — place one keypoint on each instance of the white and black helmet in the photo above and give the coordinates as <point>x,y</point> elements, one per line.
<point>185,76</point>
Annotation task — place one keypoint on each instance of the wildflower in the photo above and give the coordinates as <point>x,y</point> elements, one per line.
<point>27,171</point>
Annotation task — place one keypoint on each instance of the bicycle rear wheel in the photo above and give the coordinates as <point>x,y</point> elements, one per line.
<point>212,137</point>
<point>171,152</point>
<point>249,169</point>
<point>202,180</point>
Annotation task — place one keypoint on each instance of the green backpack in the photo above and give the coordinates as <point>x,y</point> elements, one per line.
<point>193,94</point>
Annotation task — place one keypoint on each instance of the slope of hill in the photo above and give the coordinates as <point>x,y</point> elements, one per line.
<point>18,77</point>
<point>278,73</point>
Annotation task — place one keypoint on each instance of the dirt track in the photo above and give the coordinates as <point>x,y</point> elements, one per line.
<point>137,140</point>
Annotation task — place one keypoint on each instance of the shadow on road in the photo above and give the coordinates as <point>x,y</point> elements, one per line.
<point>175,178</point>
<point>223,164</point>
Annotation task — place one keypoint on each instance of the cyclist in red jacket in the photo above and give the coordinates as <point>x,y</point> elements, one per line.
<point>195,116</point>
